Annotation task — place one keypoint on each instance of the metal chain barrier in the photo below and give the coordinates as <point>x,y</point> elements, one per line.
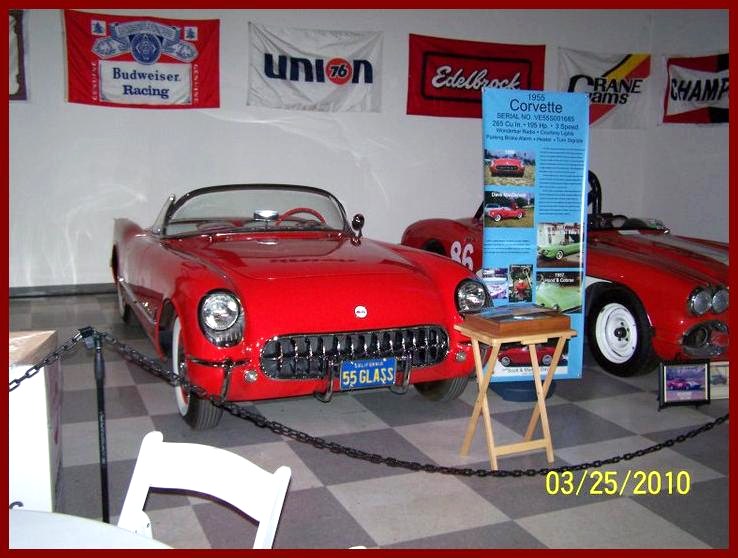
<point>154,366</point>
<point>51,358</point>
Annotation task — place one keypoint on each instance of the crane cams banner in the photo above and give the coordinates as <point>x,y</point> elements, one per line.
<point>535,160</point>
<point>697,90</point>
<point>306,69</point>
<point>446,76</point>
<point>617,85</point>
<point>143,62</point>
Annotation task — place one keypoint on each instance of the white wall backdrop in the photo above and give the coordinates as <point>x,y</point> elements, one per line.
<point>73,168</point>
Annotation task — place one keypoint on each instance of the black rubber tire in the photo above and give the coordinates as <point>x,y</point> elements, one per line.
<point>443,390</point>
<point>546,360</point>
<point>124,309</point>
<point>200,414</point>
<point>642,358</point>
<point>497,218</point>
<point>560,255</point>
<point>505,361</point>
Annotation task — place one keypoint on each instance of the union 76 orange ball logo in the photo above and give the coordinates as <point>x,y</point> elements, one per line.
<point>339,70</point>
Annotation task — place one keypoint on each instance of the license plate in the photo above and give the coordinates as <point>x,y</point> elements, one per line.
<point>358,374</point>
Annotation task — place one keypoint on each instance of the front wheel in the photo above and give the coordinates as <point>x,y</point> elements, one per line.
<point>619,333</point>
<point>124,310</point>
<point>200,414</point>
<point>560,255</point>
<point>443,390</point>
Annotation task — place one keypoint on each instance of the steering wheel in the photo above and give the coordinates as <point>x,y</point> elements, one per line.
<point>295,210</point>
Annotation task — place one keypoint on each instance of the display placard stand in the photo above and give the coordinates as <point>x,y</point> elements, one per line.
<point>480,332</point>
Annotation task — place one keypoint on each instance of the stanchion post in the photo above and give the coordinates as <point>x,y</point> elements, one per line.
<point>102,440</point>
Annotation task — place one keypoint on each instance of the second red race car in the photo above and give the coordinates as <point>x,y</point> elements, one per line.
<point>650,295</point>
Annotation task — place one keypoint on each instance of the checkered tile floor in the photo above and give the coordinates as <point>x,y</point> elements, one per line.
<point>337,502</point>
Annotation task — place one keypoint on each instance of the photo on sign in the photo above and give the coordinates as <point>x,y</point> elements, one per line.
<point>560,290</point>
<point>508,209</point>
<point>719,380</point>
<point>509,167</point>
<point>559,245</point>
<point>520,287</point>
<point>496,281</point>
<point>684,383</point>
<point>515,354</point>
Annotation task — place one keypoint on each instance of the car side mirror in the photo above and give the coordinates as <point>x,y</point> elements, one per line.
<point>357,223</point>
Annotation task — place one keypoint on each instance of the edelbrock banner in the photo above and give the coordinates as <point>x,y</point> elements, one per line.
<point>307,69</point>
<point>142,62</point>
<point>697,90</point>
<point>446,76</point>
<point>617,85</point>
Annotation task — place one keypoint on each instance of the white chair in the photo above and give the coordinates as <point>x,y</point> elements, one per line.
<point>208,470</point>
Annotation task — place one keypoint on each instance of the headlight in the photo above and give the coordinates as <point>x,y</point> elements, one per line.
<point>720,300</point>
<point>699,301</point>
<point>471,296</point>
<point>221,318</point>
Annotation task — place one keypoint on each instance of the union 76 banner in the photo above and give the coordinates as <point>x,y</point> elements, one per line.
<point>446,76</point>
<point>143,62</point>
<point>310,69</point>
<point>697,90</point>
<point>617,85</point>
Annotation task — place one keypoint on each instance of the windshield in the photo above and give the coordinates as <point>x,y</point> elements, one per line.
<point>255,208</point>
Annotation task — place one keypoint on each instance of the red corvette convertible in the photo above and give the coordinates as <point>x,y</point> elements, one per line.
<point>519,355</point>
<point>650,295</point>
<point>264,291</point>
<point>497,212</point>
<point>507,166</point>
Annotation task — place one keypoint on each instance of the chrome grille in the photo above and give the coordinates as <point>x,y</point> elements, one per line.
<point>309,356</point>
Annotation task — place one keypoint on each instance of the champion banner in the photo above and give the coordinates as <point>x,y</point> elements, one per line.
<point>144,62</point>
<point>697,90</point>
<point>617,85</point>
<point>305,69</point>
<point>446,76</point>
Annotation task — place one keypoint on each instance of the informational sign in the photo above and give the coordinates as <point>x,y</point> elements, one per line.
<point>535,164</point>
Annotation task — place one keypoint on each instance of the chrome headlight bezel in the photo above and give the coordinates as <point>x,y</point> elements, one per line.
<point>471,296</point>
<point>699,301</point>
<point>720,300</point>
<point>221,318</point>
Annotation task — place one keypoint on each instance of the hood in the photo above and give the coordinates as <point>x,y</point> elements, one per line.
<point>323,282</point>
<point>295,256</point>
<point>701,261</point>
<point>507,161</point>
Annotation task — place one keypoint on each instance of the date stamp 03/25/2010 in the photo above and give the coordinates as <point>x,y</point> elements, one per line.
<point>616,483</point>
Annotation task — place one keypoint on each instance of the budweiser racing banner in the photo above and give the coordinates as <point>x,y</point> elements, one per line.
<point>697,90</point>
<point>617,85</point>
<point>446,76</point>
<point>305,69</point>
<point>144,62</point>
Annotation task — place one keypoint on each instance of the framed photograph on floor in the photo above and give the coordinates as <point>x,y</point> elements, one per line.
<point>684,383</point>
<point>719,380</point>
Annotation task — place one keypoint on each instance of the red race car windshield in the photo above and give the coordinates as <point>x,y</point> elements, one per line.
<point>254,208</point>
